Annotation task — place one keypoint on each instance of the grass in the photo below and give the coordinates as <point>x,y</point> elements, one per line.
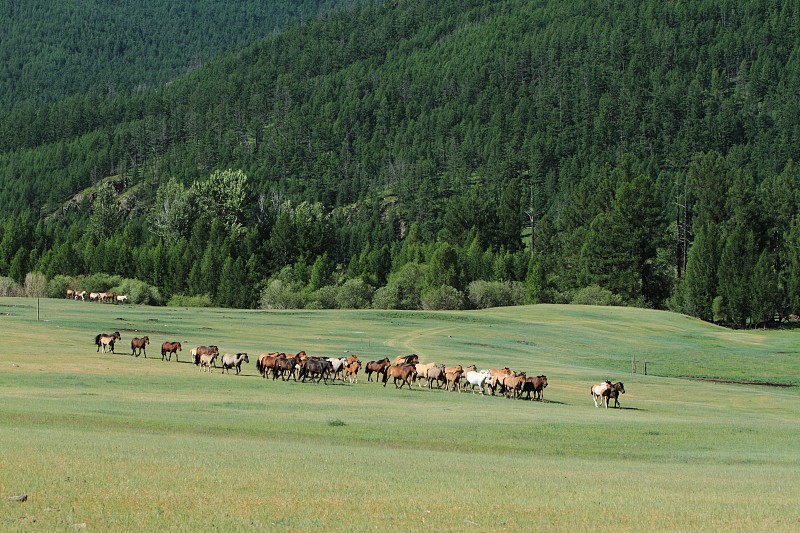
<point>114,442</point>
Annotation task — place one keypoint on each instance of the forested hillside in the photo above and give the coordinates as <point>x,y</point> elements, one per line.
<point>400,154</point>
<point>53,49</point>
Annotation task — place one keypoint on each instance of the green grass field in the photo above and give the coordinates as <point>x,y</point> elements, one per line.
<point>117,443</point>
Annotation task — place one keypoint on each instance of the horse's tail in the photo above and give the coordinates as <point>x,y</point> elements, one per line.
<point>97,338</point>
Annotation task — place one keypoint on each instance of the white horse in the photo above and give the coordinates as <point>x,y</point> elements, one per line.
<point>337,366</point>
<point>601,391</point>
<point>122,298</point>
<point>477,378</point>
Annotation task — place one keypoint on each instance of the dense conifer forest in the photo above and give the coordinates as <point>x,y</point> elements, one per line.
<point>449,154</point>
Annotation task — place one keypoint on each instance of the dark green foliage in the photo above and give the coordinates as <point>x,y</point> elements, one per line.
<point>402,144</point>
<point>102,46</point>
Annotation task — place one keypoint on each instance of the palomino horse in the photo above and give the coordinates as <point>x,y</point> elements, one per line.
<point>602,392</point>
<point>141,345</point>
<point>107,341</point>
<point>170,348</point>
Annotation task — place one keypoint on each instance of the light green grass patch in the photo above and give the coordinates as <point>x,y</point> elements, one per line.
<point>132,444</point>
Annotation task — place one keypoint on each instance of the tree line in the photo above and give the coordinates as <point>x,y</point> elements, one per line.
<point>415,154</point>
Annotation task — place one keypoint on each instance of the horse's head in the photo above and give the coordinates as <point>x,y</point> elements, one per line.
<point>620,387</point>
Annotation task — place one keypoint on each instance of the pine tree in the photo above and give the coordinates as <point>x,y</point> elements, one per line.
<point>700,281</point>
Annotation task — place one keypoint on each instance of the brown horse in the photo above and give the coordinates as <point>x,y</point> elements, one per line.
<point>285,366</point>
<point>412,359</point>
<point>378,367</point>
<point>200,351</point>
<point>536,385</point>
<point>170,348</point>
<point>266,362</point>
<point>403,373</point>
<point>141,345</point>
<point>614,392</point>
<point>107,341</point>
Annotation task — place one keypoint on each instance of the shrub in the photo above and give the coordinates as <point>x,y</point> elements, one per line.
<point>9,287</point>
<point>281,295</point>
<point>404,290</point>
<point>139,292</point>
<point>324,298</point>
<point>484,294</point>
<point>445,297</point>
<point>354,294</point>
<point>183,300</point>
<point>36,285</point>
<point>387,297</point>
<point>57,287</point>
<point>596,295</point>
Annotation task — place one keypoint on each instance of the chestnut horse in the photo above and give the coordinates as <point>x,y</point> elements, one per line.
<point>141,345</point>
<point>170,348</point>
<point>403,373</point>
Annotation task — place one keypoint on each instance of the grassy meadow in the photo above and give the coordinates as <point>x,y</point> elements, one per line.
<point>111,442</point>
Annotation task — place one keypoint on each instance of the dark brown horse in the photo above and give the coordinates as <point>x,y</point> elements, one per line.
<point>141,345</point>
<point>170,348</point>
<point>535,385</point>
<point>107,341</point>
<point>285,366</point>
<point>614,392</point>
<point>378,367</point>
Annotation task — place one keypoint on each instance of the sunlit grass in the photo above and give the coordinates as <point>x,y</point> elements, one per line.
<point>115,442</point>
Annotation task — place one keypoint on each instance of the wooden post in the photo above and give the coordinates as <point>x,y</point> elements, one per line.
<point>645,367</point>
<point>37,309</point>
<point>633,364</point>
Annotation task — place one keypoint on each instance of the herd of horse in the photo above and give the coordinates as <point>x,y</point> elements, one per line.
<point>105,297</point>
<point>405,370</point>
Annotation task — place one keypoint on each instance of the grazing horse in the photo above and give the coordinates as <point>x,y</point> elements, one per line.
<point>378,367</point>
<point>107,341</point>
<point>614,392</point>
<point>601,391</point>
<point>71,293</point>
<point>141,345</point>
<point>404,373</point>
<point>170,348</point>
<point>233,361</point>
